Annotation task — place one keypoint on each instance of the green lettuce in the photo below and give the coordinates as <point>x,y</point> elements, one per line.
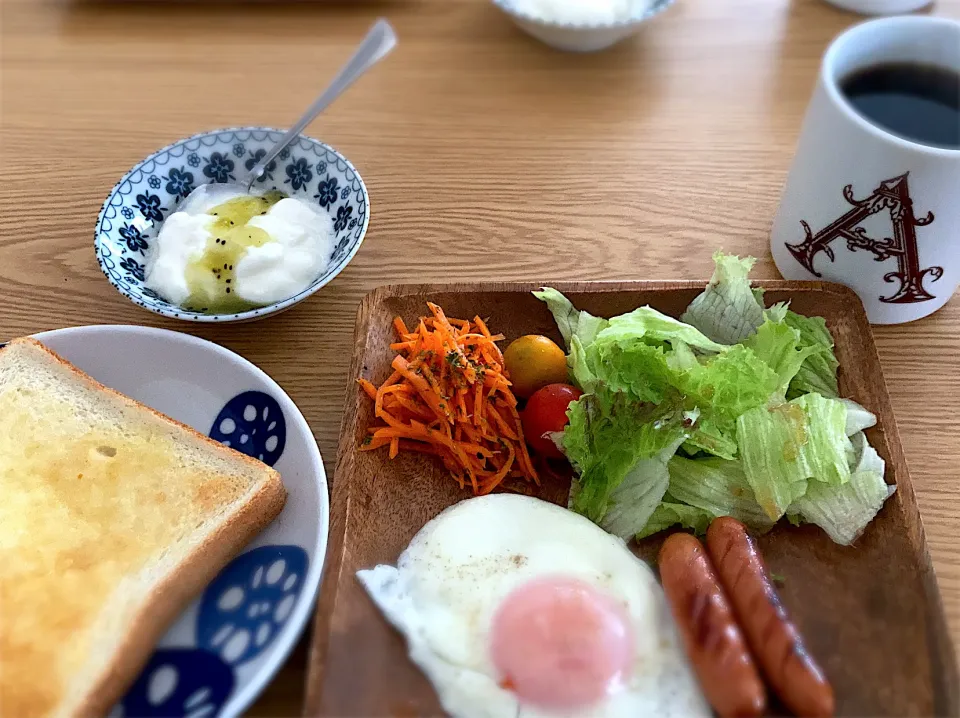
<point>708,437</point>
<point>607,435</point>
<point>784,446</point>
<point>634,368</point>
<point>727,311</point>
<point>717,487</point>
<point>670,513</point>
<point>639,494</point>
<point>750,394</point>
<point>570,321</point>
<point>723,387</point>
<point>777,344</point>
<point>818,373</point>
<point>650,326</point>
<point>858,418</point>
<point>844,511</point>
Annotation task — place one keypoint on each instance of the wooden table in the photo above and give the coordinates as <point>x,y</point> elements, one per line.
<point>487,156</point>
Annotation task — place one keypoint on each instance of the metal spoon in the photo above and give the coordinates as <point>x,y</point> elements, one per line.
<point>378,43</point>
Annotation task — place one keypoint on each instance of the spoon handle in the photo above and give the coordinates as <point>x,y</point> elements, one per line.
<point>378,43</point>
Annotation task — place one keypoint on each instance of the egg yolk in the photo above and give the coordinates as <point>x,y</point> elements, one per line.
<point>559,643</point>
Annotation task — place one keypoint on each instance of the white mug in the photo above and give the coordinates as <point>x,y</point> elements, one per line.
<point>867,208</point>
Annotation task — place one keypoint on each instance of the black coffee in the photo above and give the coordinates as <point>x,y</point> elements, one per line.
<point>917,102</point>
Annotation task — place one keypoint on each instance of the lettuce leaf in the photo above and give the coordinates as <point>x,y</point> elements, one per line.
<point>783,446</point>
<point>844,511</point>
<point>717,487</point>
<point>727,311</point>
<point>669,513</point>
<point>638,495</point>
<point>635,368</point>
<point>607,435</point>
<point>778,345</point>
<point>818,372</point>
<point>722,387</point>
<point>570,321</point>
<point>716,383</point>
<point>729,384</point>
<point>858,418</point>
<point>709,437</point>
<point>652,327</point>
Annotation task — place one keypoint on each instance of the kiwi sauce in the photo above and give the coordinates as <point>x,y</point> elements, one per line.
<point>211,277</point>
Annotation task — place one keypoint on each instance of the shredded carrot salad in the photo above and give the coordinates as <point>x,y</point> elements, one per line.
<point>449,395</point>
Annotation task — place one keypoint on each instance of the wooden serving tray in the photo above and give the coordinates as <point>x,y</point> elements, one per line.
<point>871,613</point>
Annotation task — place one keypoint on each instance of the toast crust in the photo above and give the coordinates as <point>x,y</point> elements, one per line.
<point>185,580</point>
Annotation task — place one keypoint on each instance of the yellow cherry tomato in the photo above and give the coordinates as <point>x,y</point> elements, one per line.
<point>533,362</point>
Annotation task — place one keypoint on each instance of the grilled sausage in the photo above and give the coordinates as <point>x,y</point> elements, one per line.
<point>712,639</point>
<point>774,640</point>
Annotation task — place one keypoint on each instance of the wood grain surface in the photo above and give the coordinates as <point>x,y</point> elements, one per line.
<point>487,156</point>
<point>856,606</point>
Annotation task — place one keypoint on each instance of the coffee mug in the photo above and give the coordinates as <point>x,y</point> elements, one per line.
<point>863,206</point>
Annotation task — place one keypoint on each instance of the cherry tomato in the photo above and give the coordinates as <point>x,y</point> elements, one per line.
<point>533,362</point>
<point>546,412</point>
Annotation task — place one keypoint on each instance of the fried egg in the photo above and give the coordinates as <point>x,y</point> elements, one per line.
<point>513,607</point>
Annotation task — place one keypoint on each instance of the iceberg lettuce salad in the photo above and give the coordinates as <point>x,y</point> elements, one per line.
<point>732,410</point>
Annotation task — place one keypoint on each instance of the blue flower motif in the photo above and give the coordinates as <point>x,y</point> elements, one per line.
<point>353,223</point>
<point>299,174</point>
<point>136,269</point>
<point>284,153</point>
<point>127,213</point>
<point>321,167</point>
<point>343,217</point>
<point>135,240</point>
<point>328,191</point>
<point>340,250</point>
<point>239,150</point>
<point>267,171</point>
<point>154,182</point>
<point>150,208</point>
<point>193,159</point>
<point>344,193</point>
<point>219,167</point>
<point>179,182</point>
<point>150,294</point>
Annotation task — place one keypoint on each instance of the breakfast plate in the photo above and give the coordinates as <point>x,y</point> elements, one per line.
<point>870,612</point>
<point>230,641</point>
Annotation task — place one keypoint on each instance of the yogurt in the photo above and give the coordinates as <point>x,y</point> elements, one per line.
<point>232,251</point>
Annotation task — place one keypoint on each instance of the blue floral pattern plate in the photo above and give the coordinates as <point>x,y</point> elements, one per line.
<point>227,645</point>
<point>131,216</point>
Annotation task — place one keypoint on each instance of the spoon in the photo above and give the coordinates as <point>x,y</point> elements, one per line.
<point>378,43</point>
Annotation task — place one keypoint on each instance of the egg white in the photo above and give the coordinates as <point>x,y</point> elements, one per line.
<point>448,583</point>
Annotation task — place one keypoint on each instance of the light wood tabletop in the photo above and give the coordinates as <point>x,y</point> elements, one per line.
<point>487,156</point>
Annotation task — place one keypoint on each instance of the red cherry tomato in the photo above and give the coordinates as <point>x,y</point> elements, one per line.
<point>546,412</point>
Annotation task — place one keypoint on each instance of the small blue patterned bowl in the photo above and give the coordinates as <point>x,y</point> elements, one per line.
<point>133,213</point>
<point>571,37</point>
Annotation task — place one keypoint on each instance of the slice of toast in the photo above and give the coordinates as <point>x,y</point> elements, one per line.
<point>112,518</point>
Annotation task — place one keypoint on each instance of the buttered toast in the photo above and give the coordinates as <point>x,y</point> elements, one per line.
<point>112,517</point>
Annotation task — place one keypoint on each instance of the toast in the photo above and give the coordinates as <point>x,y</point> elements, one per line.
<point>112,518</point>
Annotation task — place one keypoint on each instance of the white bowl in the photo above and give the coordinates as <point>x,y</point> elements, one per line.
<point>572,37</point>
<point>880,7</point>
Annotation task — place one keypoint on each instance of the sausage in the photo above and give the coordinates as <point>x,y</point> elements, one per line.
<point>773,638</point>
<point>713,641</point>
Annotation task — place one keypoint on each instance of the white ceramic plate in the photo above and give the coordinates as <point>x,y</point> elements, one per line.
<point>228,644</point>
